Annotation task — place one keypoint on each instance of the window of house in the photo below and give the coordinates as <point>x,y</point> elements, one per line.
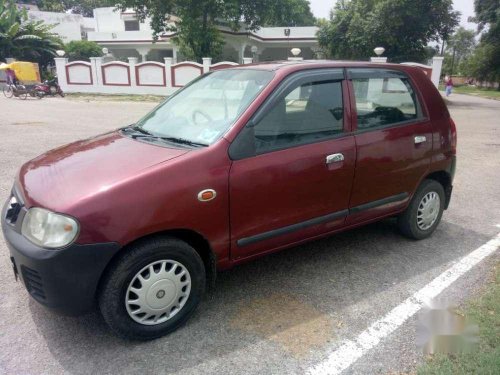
<point>311,112</point>
<point>383,98</point>
<point>131,25</point>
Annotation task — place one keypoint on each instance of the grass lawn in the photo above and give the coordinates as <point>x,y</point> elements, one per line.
<point>472,90</point>
<point>116,97</point>
<point>485,311</point>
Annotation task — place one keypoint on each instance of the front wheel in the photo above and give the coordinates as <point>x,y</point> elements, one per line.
<point>152,289</point>
<point>424,212</point>
<point>8,91</point>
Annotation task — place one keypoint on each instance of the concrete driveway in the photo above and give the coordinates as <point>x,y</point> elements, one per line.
<point>283,313</point>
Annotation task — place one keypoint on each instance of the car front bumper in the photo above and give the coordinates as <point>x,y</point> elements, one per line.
<point>65,280</point>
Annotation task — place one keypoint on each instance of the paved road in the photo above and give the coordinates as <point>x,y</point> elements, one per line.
<point>280,314</point>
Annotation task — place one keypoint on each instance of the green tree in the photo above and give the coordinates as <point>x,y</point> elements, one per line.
<point>485,64</point>
<point>402,27</point>
<point>288,13</point>
<point>23,39</point>
<point>460,47</point>
<point>82,50</point>
<point>196,22</point>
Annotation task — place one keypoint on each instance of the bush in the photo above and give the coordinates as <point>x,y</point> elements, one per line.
<point>82,50</point>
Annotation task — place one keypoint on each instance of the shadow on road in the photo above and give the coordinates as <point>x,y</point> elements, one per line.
<point>309,284</point>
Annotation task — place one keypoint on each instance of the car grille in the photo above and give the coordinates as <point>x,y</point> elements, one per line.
<point>33,283</point>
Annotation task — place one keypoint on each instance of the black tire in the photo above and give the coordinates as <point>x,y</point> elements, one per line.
<point>8,91</point>
<point>407,221</point>
<point>113,288</point>
<point>61,94</point>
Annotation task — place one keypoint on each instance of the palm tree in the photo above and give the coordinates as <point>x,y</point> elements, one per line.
<point>23,39</point>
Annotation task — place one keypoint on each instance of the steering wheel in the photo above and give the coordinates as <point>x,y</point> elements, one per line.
<point>199,112</point>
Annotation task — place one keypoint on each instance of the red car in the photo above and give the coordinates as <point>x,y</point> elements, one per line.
<point>240,163</point>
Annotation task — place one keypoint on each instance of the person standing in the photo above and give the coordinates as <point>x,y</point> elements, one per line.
<point>448,85</point>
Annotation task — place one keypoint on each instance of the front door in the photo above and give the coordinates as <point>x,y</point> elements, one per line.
<point>393,142</point>
<point>293,166</point>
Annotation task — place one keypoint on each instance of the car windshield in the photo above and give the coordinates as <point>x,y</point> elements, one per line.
<point>204,110</point>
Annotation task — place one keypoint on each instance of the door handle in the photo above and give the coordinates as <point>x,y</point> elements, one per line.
<point>420,139</point>
<point>334,158</point>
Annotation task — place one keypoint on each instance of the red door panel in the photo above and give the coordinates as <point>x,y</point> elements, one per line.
<point>389,164</point>
<point>285,196</point>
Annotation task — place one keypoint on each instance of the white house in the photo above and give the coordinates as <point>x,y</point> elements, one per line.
<point>124,36</point>
<point>68,26</point>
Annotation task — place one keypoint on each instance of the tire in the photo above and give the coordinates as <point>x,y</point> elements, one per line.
<point>8,92</point>
<point>116,288</point>
<point>23,95</point>
<point>418,228</point>
<point>61,93</point>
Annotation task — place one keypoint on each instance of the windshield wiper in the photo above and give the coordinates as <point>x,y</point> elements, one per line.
<point>145,134</point>
<point>140,130</point>
<point>182,141</point>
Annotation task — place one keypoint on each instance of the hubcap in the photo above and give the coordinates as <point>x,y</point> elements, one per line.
<point>428,210</point>
<point>158,292</point>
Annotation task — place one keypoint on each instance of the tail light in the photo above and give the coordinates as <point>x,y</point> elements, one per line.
<point>453,128</point>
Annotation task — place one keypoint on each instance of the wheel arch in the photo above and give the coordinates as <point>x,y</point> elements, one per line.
<point>191,237</point>
<point>445,179</point>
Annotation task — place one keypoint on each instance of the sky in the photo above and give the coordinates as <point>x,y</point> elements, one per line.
<point>321,9</point>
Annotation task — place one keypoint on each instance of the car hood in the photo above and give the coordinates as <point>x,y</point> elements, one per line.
<point>70,174</point>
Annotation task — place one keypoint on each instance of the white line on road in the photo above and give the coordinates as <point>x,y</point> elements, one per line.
<point>351,350</point>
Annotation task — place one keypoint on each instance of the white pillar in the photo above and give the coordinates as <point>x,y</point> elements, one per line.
<point>247,60</point>
<point>207,61</point>
<point>241,53</point>
<point>132,62</point>
<point>378,59</point>
<point>437,66</point>
<point>143,51</point>
<point>174,54</point>
<point>98,71</point>
<point>93,71</point>
<point>168,71</point>
<point>61,72</point>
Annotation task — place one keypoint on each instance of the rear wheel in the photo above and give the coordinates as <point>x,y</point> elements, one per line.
<point>23,95</point>
<point>152,289</point>
<point>424,212</point>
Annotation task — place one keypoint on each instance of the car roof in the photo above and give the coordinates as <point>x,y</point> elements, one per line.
<point>287,65</point>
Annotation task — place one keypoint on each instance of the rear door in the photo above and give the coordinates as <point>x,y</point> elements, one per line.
<point>393,142</point>
<point>293,165</point>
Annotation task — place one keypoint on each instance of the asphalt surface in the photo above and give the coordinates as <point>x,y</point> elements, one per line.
<point>280,314</point>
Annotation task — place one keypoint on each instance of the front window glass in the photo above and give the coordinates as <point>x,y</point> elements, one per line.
<point>311,112</point>
<point>203,111</point>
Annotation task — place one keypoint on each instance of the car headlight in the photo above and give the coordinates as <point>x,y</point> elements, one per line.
<point>48,229</point>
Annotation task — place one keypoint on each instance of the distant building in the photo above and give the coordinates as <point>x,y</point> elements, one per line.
<point>125,36</point>
<point>68,26</point>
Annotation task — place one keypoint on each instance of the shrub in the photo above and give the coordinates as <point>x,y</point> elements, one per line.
<point>82,50</point>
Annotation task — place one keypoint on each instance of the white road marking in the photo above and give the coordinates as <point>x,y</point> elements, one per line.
<point>351,350</point>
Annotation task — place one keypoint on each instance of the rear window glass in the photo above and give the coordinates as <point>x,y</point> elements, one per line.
<point>383,99</point>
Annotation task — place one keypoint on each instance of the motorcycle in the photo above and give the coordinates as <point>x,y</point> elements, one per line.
<point>50,87</point>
